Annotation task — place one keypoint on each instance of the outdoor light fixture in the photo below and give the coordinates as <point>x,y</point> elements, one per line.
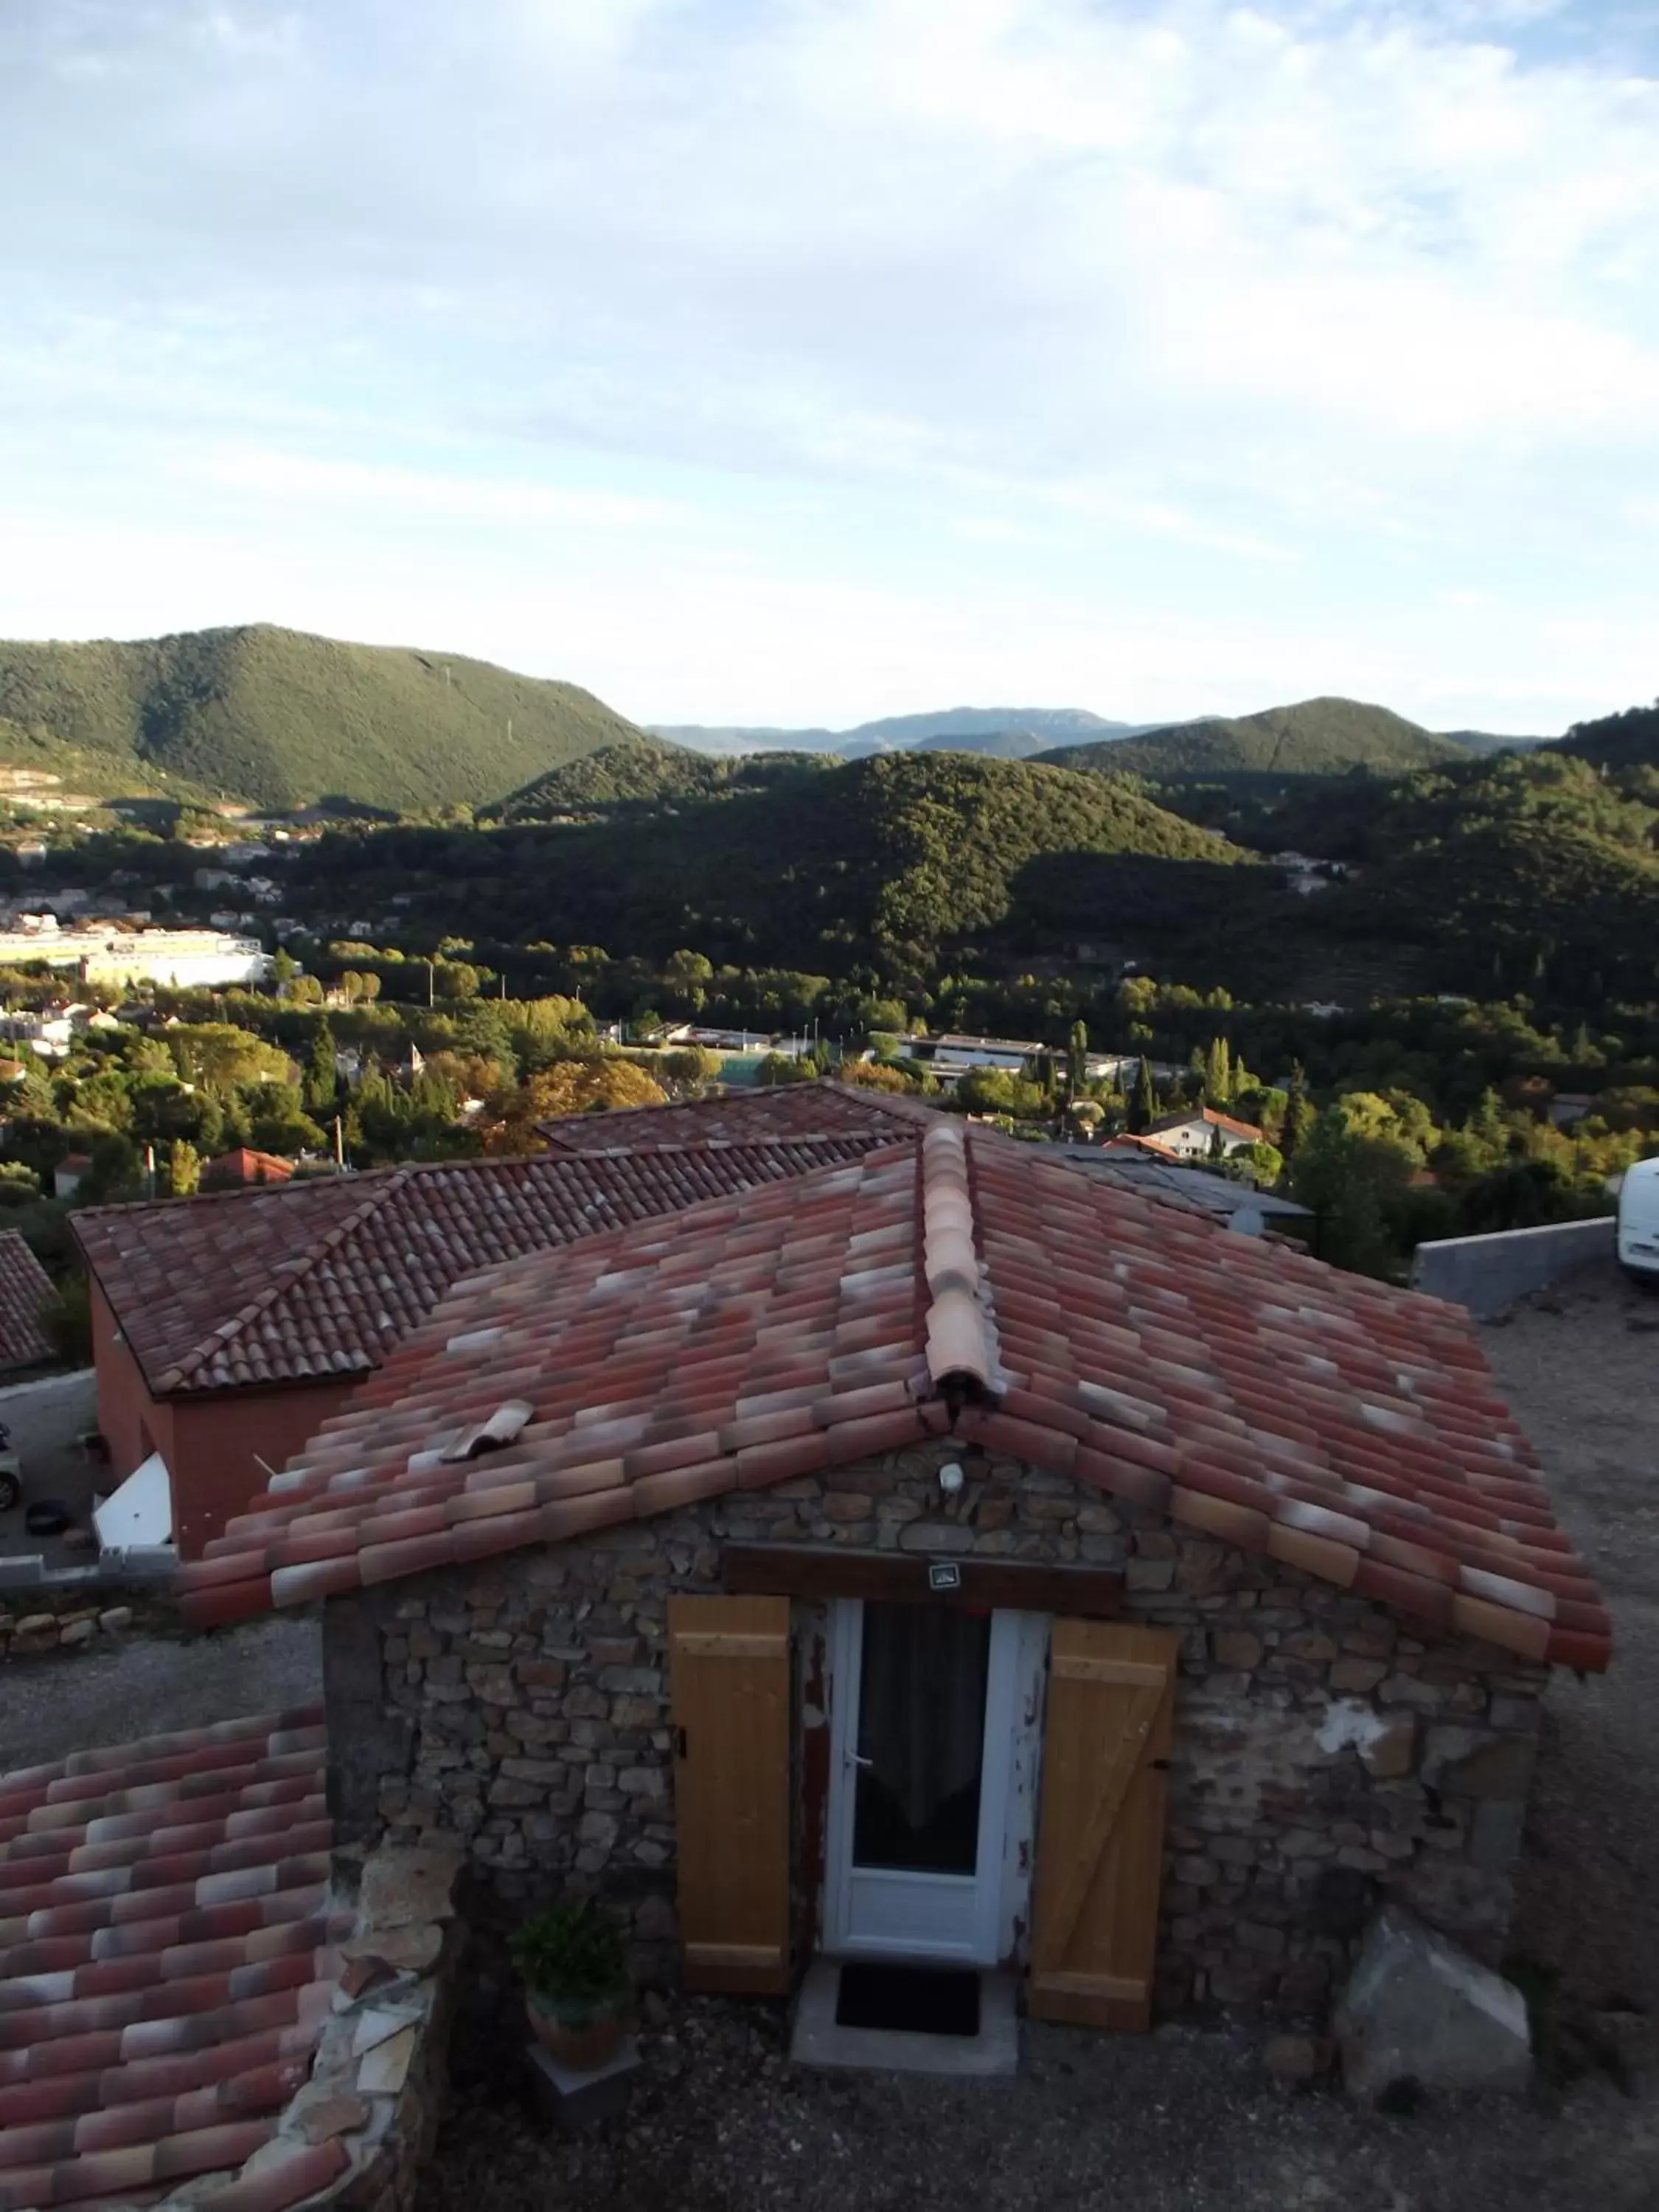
<point>950,1477</point>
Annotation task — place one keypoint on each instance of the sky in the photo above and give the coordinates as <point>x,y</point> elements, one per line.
<point>803,361</point>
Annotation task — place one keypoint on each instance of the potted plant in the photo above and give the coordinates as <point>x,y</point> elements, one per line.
<point>573,1961</point>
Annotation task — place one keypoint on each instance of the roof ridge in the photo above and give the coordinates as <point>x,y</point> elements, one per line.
<point>960,1335</point>
<point>222,1195</point>
<point>216,1339</point>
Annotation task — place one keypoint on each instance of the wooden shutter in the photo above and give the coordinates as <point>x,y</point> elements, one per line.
<point>729,1661</point>
<point>1100,1848</point>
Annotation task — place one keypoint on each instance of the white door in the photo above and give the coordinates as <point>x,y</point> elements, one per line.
<point>923,1725</point>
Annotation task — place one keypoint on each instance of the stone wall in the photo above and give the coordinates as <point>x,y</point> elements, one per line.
<point>84,1621</point>
<point>1488,1274</point>
<point>361,2127</point>
<point>1324,1755</point>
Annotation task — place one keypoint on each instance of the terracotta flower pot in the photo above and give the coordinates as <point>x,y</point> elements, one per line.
<point>582,2037</point>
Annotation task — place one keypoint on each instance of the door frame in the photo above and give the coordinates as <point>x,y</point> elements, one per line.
<point>1012,1733</point>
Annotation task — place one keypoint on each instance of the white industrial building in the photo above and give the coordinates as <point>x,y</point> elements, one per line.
<point>99,953</point>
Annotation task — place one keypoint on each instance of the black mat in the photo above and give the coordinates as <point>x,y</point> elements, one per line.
<point>913,2000</point>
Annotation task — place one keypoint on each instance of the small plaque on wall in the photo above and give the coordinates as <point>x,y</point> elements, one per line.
<point>943,1575</point>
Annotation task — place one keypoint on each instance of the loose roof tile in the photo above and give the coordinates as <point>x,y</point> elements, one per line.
<point>26,1296</point>
<point>962,1285</point>
<point>168,1957</point>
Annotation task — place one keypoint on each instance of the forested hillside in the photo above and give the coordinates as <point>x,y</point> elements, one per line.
<point>1536,871</point>
<point>635,777</point>
<point>1627,740</point>
<point>886,863</point>
<point>282,718</point>
<point>1319,737</point>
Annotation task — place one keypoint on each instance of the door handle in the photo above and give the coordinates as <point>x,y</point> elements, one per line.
<point>857,1758</point>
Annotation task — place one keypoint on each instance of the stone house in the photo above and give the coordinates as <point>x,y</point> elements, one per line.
<point>228,1327</point>
<point>946,1556</point>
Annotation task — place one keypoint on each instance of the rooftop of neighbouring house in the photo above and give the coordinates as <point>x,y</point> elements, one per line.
<point>244,1165</point>
<point>1212,1118</point>
<point>168,1959</point>
<point>1131,1146</point>
<point>1157,1172</point>
<point>307,1280</point>
<point>26,1297</point>
<point>963,1285</point>
<point>812,1109</point>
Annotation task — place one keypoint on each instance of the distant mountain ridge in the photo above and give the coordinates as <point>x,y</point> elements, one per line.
<point>1316,737</point>
<point>1001,732</point>
<point>280,718</point>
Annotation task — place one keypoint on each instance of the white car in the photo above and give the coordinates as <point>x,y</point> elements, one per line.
<point>1639,1221</point>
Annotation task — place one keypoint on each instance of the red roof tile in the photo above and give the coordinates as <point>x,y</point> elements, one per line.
<point>1216,1119</point>
<point>961,1283</point>
<point>168,1957</point>
<point>303,1281</point>
<point>819,1108</point>
<point>26,1295</point>
<point>245,1166</point>
<point>1135,1145</point>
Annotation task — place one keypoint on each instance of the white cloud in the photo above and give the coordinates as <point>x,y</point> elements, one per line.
<point>396,496</point>
<point>1278,325</point>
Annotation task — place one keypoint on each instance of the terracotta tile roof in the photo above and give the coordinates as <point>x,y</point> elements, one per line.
<point>244,1165</point>
<point>26,1294</point>
<point>167,1958</point>
<point>962,1285</point>
<point>820,1109</point>
<point>1137,1146</point>
<point>1247,1130</point>
<point>321,1276</point>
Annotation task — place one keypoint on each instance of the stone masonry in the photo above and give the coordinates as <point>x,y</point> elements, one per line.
<point>1325,1756</point>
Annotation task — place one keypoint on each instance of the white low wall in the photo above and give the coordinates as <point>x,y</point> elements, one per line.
<point>1487,1275</point>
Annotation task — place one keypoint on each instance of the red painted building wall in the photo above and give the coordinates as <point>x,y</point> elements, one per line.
<point>209,1439</point>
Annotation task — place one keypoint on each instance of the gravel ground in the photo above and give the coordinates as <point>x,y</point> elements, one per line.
<point>1186,2120</point>
<point>153,1685</point>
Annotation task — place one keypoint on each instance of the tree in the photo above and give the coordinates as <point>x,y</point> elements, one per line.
<point>1143,1107</point>
<point>874,1075</point>
<point>686,973</point>
<point>321,1083</point>
<point>1218,1072</point>
<point>1077,1056</point>
<point>1298,1113</point>
<point>689,1067</point>
<point>779,1067</point>
<point>570,1086</point>
<point>221,1055</point>
<point>1353,1167</point>
<point>183,1168</point>
<point>456,979</point>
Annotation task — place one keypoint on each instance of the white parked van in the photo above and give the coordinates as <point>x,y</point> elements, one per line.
<point>1639,1220</point>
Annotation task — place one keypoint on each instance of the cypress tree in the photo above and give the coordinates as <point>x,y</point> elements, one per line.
<point>1144,1111</point>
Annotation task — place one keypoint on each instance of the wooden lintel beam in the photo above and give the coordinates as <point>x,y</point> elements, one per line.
<point>829,1570</point>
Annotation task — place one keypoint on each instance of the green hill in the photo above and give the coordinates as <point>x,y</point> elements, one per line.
<point>1627,740</point>
<point>889,862</point>
<point>637,776</point>
<point>1319,737</point>
<point>282,718</point>
<point>1534,872</point>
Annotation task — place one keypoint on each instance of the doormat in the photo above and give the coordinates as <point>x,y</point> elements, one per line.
<point>908,2000</point>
